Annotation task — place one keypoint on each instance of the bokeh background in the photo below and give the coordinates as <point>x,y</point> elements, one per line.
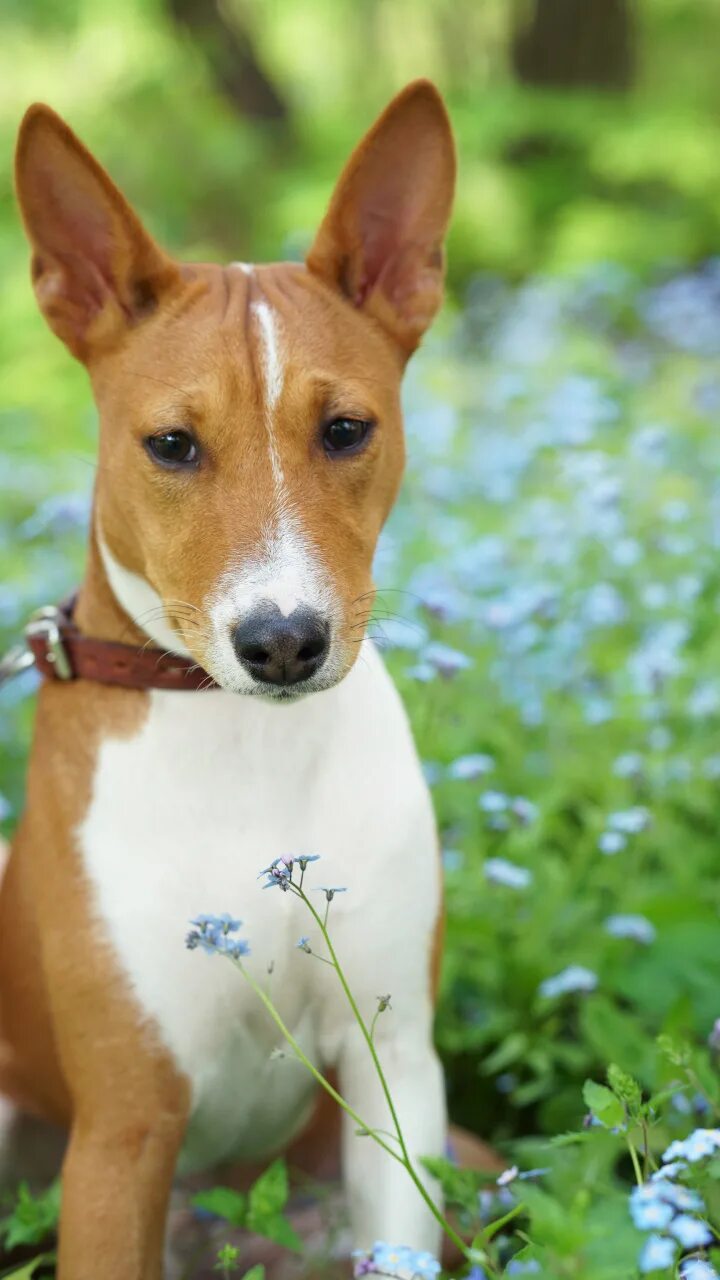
<point>550,582</point>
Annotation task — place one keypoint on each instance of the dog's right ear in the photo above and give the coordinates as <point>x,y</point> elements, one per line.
<point>95,269</point>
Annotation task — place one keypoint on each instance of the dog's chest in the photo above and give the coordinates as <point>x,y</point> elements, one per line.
<point>184,817</point>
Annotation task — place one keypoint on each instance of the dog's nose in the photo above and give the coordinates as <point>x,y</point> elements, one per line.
<point>282,650</point>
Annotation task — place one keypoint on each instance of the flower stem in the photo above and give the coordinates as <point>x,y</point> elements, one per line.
<point>404,1158</point>
<point>636,1163</point>
<point>325,1084</point>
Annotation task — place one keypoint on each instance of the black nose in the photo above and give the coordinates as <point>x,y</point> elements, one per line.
<point>282,650</point>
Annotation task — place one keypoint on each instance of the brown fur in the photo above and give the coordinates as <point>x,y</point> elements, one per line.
<point>169,346</point>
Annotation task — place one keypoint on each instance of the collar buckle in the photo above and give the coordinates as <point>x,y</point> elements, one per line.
<point>45,625</point>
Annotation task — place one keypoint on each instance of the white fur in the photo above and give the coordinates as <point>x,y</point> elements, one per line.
<point>273,378</point>
<point>285,571</point>
<point>335,774</point>
<point>246,267</point>
<point>140,602</point>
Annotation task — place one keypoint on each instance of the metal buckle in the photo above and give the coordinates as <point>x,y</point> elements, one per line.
<point>45,623</point>
<point>15,661</point>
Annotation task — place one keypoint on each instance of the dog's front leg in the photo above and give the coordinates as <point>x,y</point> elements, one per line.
<point>384,1203</point>
<point>116,1183</point>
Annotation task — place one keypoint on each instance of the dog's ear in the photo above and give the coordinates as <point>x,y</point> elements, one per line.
<point>96,271</point>
<point>381,242</point>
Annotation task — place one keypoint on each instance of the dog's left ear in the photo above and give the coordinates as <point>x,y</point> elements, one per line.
<point>381,242</point>
<point>95,269</point>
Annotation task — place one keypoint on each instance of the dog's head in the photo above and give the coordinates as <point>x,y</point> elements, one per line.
<point>251,436</point>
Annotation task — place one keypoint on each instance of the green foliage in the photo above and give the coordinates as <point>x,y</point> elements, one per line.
<point>32,1218</point>
<point>260,1211</point>
<point>29,1270</point>
<point>603,1104</point>
<point>229,1261</point>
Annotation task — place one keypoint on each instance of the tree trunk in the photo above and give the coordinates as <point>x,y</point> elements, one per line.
<point>576,43</point>
<point>232,59</point>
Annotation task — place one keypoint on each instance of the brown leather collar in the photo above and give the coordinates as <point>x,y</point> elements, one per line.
<point>62,652</point>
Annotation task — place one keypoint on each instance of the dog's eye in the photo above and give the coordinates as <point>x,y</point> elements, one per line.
<point>173,448</point>
<point>345,433</point>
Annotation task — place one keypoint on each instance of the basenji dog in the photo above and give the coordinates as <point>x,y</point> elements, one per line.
<point>251,447</point>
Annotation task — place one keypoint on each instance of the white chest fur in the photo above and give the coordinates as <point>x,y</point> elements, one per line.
<point>183,818</point>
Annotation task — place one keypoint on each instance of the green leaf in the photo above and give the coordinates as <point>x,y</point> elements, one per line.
<point>27,1271</point>
<point>267,1199</point>
<point>571,1139</point>
<point>278,1229</point>
<point>226,1203</point>
<point>228,1259</point>
<point>603,1104</point>
<point>255,1273</point>
<point>625,1087</point>
<point>269,1194</point>
<point>32,1218</point>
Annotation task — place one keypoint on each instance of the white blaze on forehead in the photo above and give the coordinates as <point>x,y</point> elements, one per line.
<point>273,377</point>
<point>246,267</point>
<point>283,569</point>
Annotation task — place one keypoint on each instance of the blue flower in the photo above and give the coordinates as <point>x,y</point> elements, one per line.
<point>195,939</point>
<point>524,810</point>
<point>279,874</point>
<point>629,765</point>
<point>216,924</point>
<point>681,1198</point>
<point>649,1209</point>
<point>330,893</point>
<point>658,1254</point>
<point>467,768</point>
<point>691,1233</point>
<point>396,1260</point>
<point>399,633</point>
<point>422,672</point>
<point>304,858</point>
<point>697,1269</point>
<point>635,927</point>
<point>699,1144</point>
<point>574,978</point>
<point>629,821</point>
<point>304,945</point>
<point>453,859</point>
<point>611,842</point>
<point>212,934</point>
<point>446,661</point>
<point>668,1171</point>
<point>500,871</point>
<point>432,772</point>
<point>493,802</point>
<point>235,948</point>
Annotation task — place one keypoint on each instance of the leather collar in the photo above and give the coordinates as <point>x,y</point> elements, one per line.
<point>62,652</point>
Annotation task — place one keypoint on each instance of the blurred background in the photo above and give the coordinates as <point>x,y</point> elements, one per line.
<point>550,582</point>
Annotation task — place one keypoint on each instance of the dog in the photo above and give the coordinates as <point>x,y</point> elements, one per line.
<point>251,448</point>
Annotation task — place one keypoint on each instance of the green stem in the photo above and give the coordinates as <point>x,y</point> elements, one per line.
<point>376,1015</point>
<point>302,1057</point>
<point>404,1159</point>
<point>635,1161</point>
